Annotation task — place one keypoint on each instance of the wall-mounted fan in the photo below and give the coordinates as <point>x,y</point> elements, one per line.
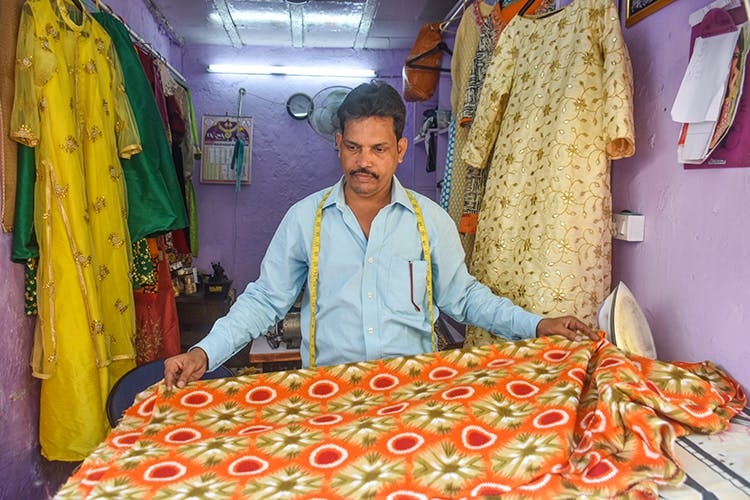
<point>323,118</point>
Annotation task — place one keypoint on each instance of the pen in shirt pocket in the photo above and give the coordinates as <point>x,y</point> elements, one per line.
<point>411,285</point>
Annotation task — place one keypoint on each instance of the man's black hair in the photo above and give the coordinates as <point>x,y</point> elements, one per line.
<point>376,98</point>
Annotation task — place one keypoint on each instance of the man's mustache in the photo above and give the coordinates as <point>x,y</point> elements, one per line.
<point>364,171</point>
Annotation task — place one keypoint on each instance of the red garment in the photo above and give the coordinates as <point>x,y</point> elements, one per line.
<point>157,333</point>
<point>149,66</point>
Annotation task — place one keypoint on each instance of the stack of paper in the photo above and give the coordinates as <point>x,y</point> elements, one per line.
<point>707,99</point>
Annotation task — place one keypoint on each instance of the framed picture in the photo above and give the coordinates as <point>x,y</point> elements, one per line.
<point>218,144</point>
<point>635,10</point>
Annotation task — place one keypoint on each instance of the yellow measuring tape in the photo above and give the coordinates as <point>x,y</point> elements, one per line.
<point>315,260</point>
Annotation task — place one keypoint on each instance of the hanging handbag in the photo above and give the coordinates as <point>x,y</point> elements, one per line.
<point>421,71</point>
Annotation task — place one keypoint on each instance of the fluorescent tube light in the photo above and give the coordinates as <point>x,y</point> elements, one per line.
<point>347,19</point>
<point>291,70</point>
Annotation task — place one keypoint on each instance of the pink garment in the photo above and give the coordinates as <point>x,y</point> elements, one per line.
<point>732,150</point>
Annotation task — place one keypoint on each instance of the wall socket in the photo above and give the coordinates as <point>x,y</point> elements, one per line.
<point>628,226</point>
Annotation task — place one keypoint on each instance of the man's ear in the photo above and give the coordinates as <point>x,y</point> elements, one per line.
<point>339,138</point>
<point>402,143</point>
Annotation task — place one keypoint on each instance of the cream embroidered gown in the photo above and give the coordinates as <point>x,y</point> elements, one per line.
<point>70,105</point>
<point>557,105</point>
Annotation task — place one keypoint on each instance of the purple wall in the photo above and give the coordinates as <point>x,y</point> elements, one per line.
<point>691,273</point>
<point>289,160</point>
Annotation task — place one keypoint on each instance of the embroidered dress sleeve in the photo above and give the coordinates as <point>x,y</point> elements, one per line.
<point>35,65</point>
<point>618,86</point>
<point>128,139</point>
<point>492,101</point>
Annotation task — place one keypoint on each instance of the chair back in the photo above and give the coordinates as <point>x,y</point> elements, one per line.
<point>138,379</point>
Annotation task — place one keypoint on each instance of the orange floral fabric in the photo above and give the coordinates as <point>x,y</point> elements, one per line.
<point>541,418</point>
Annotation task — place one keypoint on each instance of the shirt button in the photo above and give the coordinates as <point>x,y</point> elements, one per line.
<point>370,330</point>
<point>371,260</point>
<point>369,295</point>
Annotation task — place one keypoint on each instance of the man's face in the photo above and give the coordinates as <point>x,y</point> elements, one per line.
<point>370,154</point>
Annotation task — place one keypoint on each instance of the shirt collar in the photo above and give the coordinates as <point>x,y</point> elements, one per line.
<point>398,195</point>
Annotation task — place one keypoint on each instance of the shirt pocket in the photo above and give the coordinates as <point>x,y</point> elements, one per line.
<point>407,285</point>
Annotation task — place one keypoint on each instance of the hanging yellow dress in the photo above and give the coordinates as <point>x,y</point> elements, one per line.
<point>70,105</point>
<point>556,105</point>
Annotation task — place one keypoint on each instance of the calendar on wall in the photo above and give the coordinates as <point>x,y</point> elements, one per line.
<point>219,135</point>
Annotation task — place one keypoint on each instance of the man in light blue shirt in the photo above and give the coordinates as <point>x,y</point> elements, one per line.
<point>372,297</point>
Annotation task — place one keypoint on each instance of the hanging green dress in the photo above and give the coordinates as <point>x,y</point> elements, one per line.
<point>155,203</point>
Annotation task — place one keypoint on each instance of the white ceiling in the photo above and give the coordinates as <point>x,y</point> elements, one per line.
<point>371,24</point>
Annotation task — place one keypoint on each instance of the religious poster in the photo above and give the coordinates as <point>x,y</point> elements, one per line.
<point>223,157</point>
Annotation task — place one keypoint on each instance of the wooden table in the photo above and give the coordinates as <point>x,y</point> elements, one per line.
<point>268,359</point>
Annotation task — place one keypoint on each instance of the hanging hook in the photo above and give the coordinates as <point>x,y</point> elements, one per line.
<point>239,103</point>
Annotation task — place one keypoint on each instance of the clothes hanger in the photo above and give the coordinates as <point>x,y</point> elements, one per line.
<point>525,7</point>
<point>441,46</point>
<point>453,17</point>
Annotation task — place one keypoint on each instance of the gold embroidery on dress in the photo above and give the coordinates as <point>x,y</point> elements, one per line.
<point>114,174</point>
<point>45,45</point>
<point>115,240</point>
<point>124,213</point>
<point>121,88</point>
<point>120,306</point>
<point>81,259</point>
<point>100,203</point>
<point>51,31</point>
<point>86,216</point>
<point>105,105</point>
<point>70,144</point>
<point>90,67</point>
<point>24,132</point>
<point>97,327</point>
<point>61,191</point>
<point>95,133</point>
<point>99,45</point>
<point>103,272</point>
<point>42,104</point>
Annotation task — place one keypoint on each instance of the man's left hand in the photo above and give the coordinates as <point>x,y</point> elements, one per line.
<point>569,327</point>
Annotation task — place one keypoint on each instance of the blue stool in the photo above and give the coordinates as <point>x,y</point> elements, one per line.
<point>124,391</point>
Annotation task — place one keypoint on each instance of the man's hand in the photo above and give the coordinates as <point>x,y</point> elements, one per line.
<point>569,327</point>
<point>184,368</point>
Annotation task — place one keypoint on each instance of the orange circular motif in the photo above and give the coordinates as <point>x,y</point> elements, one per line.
<point>390,410</point>
<point>551,418</point>
<point>126,440</point>
<point>93,476</point>
<point>476,438</point>
<point>328,419</point>
<point>183,435</point>
<point>196,399</point>
<point>383,382</point>
<point>443,373</point>
<point>328,456</point>
<point>247,466</point>
<point>521,389</point>
<point>461,392</point>
<point>164,471</point>
<point>404,443</point>
<point>323,389</point>
<point>260,395</point>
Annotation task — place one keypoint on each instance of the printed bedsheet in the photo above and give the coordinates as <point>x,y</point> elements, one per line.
<point>540,418</point>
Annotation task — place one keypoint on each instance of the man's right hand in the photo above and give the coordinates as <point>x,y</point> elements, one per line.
<point>184,368</point>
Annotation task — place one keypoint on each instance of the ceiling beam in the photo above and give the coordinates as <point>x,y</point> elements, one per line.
<point>161,20</point>
<point>222,8</point>
<point>296,23</point>
<point>368,14</point>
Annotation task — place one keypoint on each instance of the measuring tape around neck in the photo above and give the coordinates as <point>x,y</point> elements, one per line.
<point>315,260</point>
